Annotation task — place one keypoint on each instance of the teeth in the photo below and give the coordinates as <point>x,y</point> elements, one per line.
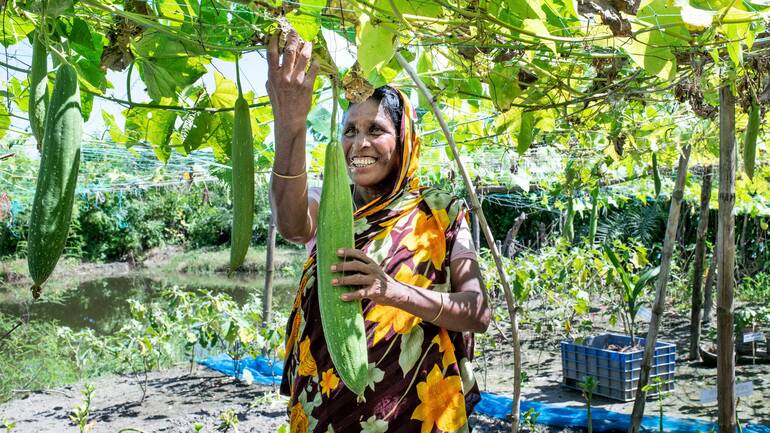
<point>362,161</point>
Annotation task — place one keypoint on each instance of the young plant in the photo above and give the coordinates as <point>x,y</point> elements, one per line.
<point>81,413</point>
<point>9,425</point>
<point>657,386</point>
<point>228,420</point>
<point>588,386</point>
<point>632,289</point>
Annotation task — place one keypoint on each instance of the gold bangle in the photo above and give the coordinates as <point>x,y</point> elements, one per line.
<point>283,176</point>
<point>440,310</point>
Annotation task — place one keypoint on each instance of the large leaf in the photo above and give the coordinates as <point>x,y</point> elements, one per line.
<point>165,65</point>
<point>503,86</point>
<point>153,126</point>
<point>375,45</point>
<point>226,92</point>
<point>14,28</point>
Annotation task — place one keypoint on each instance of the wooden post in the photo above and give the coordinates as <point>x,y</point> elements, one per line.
<point>708,291</point>
<point>726,264</point>
<point>660,293</point>
<point>476,208</point>
<point>267,293</point>
<point>696,314</point>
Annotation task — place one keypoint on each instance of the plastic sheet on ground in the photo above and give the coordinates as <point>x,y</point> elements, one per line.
<point>262,370</point>
<point>268,371</point>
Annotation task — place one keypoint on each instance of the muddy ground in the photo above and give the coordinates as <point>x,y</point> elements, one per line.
<point>177,398</point>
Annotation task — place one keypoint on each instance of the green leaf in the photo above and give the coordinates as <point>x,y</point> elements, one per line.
<point>226,92</point>
<point>411,349</point>
<point>307,19</point>
<point>527,9</point>
<point>503,86</point>
<point>423,8</point>
<point>116,134</point>
<point>153,126</point>
<point>14,27</point>
<point>165,65</point>
<point>5,120</point>
<point>375,45</point>
<point>538,27</point>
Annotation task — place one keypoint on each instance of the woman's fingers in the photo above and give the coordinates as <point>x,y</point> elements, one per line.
<point>352,253</point>
<point>272,54</point>
<point>311,74</point>
<point>353,280</point>
<point>290,55</point>
<point>302,60</point>
<point>357,295</point>
<point>352,266</point>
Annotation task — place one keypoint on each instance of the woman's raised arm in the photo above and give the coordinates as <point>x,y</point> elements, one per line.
<point>290,88</point>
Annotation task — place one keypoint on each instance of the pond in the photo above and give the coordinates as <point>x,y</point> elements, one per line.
<point>103,303</point>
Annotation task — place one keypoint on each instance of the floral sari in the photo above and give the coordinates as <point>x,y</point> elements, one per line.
<point>420,376</point>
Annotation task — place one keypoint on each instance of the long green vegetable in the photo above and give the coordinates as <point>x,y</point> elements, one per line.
<point>750,139</point>
<point>38,89</point>
<point>656,174</point>
<point>243,182</point>
<point>57,178</point>
<point>342,321</point>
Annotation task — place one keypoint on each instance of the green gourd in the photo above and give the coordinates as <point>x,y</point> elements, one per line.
<point>57,178</point>
<point>38,89</point>
<point>243,184</point>
<point>656,174</point>
<point>342,321</point>
<point>750,140</point>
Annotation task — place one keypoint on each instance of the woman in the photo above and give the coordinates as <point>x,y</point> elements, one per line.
<point>413,268</point>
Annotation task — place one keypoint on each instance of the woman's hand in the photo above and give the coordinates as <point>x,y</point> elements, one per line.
<point>289,85</point>
<point>362,271</point>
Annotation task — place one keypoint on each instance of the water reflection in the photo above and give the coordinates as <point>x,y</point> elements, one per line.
<point>102,304</point>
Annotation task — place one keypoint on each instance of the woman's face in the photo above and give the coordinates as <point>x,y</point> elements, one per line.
<point>370,144</point>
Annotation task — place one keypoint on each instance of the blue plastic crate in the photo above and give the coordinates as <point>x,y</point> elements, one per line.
<point>617,373</point>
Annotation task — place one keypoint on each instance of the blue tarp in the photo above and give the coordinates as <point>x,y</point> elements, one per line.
<point>262,370</point>
<point>266,371</point>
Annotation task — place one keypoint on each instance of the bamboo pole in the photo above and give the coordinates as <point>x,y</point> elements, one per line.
<point>267,294</point>
<point>708,290</point>
<point>696,315</point>
<point>726,264</point>
<point>476,208</point>
<point>660,290</point>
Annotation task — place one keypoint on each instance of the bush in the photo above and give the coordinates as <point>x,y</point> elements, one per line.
<point>122,225</point>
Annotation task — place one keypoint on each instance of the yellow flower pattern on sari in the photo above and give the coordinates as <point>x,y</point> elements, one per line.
<point>441,402</point>
<point>329,381</point>
<point>298,419</point>
<point>446,347</point>
<point>427,238</point>
<point>388,318</point>
<point>307,365</point>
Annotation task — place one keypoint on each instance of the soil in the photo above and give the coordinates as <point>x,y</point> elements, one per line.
<point>176,399</point>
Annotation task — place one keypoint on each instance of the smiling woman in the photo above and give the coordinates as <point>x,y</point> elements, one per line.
<point>414,269</point>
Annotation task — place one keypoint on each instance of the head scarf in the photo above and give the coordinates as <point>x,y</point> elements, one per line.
<point>410,157</point>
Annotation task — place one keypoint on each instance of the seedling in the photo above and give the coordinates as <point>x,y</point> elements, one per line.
<point>81,413</point>
<point>588,386</point>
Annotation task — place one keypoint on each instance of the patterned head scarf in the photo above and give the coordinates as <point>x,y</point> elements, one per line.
<point>410,157</point>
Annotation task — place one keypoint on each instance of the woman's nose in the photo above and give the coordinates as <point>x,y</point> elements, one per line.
<point>361,141</point>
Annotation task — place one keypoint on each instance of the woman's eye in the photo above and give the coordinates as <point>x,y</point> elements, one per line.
<point>376,131</point>
<point>350,132</point>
